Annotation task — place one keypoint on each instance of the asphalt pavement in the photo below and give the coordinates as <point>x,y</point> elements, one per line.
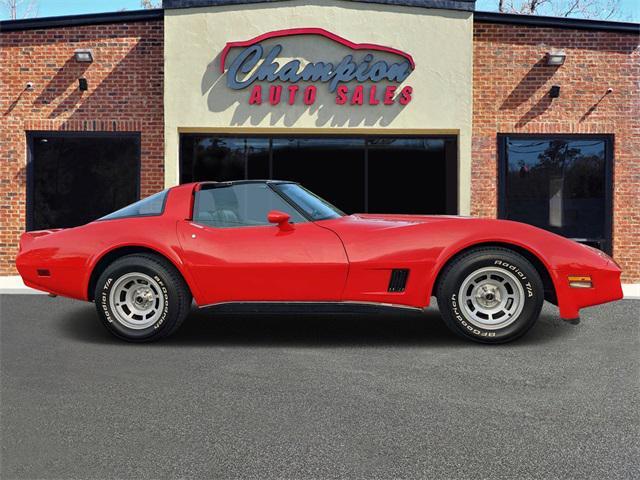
<point>316,396</point>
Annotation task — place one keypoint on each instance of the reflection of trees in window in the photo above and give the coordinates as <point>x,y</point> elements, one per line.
<point>223,159</point>
<point>557,183</point>
<point>530,168</point>
<point>222,156</point>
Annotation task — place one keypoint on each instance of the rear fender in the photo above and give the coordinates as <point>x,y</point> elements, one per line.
<point>99,262</point>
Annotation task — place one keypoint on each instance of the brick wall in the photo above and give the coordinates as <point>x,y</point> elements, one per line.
<point>510,95</point>
<point>125,94</point>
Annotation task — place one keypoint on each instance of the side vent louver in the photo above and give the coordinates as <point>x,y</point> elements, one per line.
<point>398,280</point>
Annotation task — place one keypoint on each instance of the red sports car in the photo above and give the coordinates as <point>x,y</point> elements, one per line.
<point>274,242</point>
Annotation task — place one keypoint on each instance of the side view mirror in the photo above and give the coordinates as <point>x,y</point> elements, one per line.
<point>281,218</point>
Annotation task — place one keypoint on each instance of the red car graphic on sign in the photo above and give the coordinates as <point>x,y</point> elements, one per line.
<point>274,243</point>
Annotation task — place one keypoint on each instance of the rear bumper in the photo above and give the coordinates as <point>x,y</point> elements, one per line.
<point>46,269</point>
<point>606,288</point>
<point>59,280</point>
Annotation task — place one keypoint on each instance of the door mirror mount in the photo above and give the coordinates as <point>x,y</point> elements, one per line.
<point>280,218</point>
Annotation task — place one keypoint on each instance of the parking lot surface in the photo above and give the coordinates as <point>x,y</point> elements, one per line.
<point>317,396</point>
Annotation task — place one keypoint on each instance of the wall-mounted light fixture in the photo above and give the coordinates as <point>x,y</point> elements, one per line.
<point>83,85</point>
<point>554,91</point>
<point>556,57</point>
<point>83,55</point>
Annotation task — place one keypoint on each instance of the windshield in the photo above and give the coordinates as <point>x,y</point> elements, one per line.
<point>313,206</point>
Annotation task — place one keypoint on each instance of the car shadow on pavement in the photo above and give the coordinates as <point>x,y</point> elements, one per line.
<point>408,329</point>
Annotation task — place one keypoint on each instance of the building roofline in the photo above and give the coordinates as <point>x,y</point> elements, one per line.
<point>556,22</point>
<point>480,17</point>
<point>79,20</point>
<point>465,5</point>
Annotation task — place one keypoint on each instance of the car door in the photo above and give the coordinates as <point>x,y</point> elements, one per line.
<point>235,254</point>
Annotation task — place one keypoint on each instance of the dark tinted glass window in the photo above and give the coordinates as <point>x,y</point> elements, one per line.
<point>332,168</point>
<point>407,175</point>
<point>223,158</point>
<point>77,179</point>
<point>242,205</point>
<point>559,184</point>
<point>153,205</point>
<point>381,175</point>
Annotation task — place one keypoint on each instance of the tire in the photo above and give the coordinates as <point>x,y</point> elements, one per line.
<point>142,298</point>
<point>490,295</point>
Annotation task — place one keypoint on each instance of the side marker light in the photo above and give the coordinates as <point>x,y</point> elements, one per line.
<point>580,281</point>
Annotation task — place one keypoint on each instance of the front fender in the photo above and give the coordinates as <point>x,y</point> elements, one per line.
<point>560,257</point>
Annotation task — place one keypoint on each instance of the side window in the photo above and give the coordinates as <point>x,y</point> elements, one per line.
<point>242,205</point>
<point>153,205</point>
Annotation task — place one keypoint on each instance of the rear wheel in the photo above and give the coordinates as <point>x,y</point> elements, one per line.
<point>490,295</point>
<point>142,298</point>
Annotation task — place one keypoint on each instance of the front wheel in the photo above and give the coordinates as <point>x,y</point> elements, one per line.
<point>142,298</point>
<point>490,295</point>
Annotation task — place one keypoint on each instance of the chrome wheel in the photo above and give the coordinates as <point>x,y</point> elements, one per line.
<point>491,298</point>
<point>136,300</point>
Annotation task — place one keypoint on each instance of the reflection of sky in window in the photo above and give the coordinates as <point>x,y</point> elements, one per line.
<point>318,143</point>
<point>527,152</point>
<point>428,144</point>
<point>235,144</point>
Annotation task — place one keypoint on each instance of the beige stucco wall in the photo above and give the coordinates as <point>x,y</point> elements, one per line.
<point>197,98</point>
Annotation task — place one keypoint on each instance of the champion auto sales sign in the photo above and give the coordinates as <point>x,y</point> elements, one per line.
<point>369,80</point>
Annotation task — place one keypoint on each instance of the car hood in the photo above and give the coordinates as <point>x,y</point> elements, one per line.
<point>404,219</point>
<point>379,222</point>
<point>380,237</point>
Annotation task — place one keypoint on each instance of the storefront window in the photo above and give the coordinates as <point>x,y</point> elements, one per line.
<point>330,167</point>
<point>223,158</point>
<point>357,174</point>
<point>392,190</point>
<point>75,178</point>
<point>559,183</point>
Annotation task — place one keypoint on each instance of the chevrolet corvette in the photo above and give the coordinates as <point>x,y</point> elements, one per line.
<point>266,244</point>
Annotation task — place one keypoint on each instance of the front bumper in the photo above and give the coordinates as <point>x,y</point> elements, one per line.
<point>606,287</point>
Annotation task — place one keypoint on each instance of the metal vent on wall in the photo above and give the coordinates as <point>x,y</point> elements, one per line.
<point>398,280</point>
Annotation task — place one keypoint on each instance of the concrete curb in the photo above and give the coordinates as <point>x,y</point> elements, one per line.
<point>631,290</point>
<point>14,285</point>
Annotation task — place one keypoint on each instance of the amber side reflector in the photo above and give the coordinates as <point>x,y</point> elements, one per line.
<point>580,281</point>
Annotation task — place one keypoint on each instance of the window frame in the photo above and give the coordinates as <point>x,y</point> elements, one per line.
<point>30,167</point>
<point>609,159</point>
